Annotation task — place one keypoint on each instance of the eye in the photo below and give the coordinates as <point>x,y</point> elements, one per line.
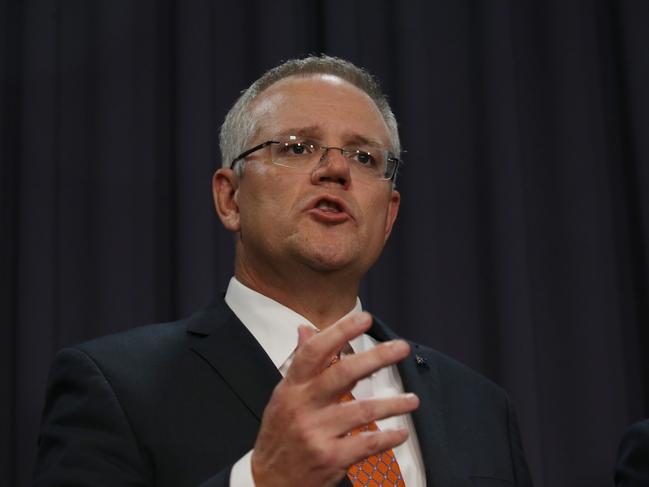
<point>295,148</point>
<point>364,158</point>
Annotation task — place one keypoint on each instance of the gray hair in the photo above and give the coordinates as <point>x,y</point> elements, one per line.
<point>240,126</point>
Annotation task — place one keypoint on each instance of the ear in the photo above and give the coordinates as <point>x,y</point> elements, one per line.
<point>225,185</point>
<point>393,210</point>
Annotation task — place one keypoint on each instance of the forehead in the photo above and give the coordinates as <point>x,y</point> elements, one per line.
<point>334,106</point>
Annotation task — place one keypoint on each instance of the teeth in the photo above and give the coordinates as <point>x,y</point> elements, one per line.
<point>327,206</point>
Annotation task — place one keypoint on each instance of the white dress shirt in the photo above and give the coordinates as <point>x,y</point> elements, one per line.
<point>275,328</point>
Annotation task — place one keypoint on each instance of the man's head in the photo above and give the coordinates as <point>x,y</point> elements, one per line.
<point>331,214</point>
<point>240,125</point>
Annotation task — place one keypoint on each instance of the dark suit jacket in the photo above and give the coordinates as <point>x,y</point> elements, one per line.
<point>632,468</point>
<point>178,404</point>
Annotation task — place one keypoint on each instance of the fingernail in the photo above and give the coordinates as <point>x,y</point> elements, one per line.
<point>361,317</point>
<point>411,398</point>
<point>399,345</point>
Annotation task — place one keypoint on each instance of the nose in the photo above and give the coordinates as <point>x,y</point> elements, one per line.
<point>333,167</point>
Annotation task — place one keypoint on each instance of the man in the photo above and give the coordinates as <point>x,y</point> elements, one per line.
<point>632,468</point>
<point>247,392</point>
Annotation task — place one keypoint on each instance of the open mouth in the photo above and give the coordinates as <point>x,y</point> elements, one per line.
<point>329,209</point>
<point>329,206</point>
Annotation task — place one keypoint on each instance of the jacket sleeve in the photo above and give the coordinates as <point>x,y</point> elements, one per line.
<point>86,437</point>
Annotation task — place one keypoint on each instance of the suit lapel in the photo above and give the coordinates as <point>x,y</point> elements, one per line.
<point>419,375</point>
<point>234,354</point>
<point>230,349</point>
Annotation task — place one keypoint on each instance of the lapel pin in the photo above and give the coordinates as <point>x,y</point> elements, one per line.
<point>420,361</point>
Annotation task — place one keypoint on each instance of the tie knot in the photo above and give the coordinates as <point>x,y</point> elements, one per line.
<point>333,360</point>
<point>346,350</point>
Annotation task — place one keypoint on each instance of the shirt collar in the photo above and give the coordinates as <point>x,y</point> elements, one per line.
<point>272,324</point>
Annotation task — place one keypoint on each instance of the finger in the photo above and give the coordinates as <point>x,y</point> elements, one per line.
<point>304,333</point>
<point>343,376</point>
<point>316,352</point>
<point>353,449</point>
<point>339,419</point>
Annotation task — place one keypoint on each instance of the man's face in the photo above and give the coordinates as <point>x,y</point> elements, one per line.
<point>281,219</point>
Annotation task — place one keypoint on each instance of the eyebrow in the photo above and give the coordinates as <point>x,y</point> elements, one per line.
<point>316,132</point>
<point>362,140</point>
<point>311,131</point>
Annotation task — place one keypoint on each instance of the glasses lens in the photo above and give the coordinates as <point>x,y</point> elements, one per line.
<point>391,166</point>
<point>294,152</point>
<point>368,162</point>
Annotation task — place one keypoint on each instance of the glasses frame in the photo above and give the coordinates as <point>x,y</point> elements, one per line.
<point>391,158</point>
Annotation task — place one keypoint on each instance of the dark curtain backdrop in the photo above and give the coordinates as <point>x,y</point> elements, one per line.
<point>522,244</point>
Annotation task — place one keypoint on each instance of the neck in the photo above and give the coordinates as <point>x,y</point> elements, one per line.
<point>322,298</point>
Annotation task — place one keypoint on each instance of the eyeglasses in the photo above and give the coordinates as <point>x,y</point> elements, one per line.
<point>365,161</point>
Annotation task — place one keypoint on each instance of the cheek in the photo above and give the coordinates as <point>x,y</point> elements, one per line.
<point>270,204</point>
<point>377,213</point>
<point>378,230</point>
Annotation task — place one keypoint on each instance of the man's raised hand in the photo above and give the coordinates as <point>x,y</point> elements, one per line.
<point>303,434</point>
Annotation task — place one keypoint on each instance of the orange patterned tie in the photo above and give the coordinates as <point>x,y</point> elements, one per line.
<point>376,470</point>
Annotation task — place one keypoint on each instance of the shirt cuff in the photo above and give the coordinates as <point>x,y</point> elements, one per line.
<point>241,473</point>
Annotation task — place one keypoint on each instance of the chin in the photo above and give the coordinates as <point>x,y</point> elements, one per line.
<point>325,267</point>
<point>328,253</point>
<point>328,259</point>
